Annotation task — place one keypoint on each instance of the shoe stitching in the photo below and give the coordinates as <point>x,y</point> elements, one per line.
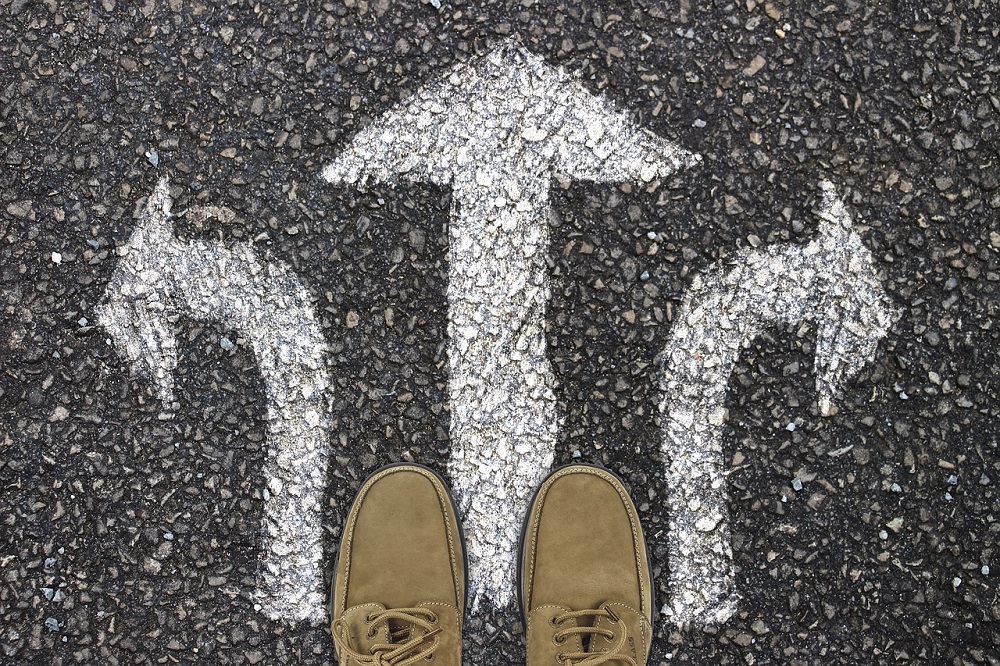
<point>637,543</point>
<point>356,509</point>
<point>363,493</point>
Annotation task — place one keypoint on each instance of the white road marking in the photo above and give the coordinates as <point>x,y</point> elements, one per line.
<point>158,278</point>
<point>495,130</point>
<point>831,281</point>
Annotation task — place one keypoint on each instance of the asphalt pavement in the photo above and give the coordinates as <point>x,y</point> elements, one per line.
<point>138,511</point>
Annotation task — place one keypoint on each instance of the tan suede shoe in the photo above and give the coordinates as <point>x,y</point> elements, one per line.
<point>399,593</point>
<point>585,581</point>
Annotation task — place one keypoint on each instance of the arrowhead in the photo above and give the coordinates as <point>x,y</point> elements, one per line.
<point>134,309</point>
<point>856,311</point>
<point>507,111</point>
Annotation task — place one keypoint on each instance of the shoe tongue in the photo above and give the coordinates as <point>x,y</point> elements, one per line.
<point>400,631</point>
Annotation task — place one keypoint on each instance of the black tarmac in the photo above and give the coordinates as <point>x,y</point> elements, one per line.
<point>865,537</point>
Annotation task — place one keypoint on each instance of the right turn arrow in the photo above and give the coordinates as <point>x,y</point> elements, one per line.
<point>831,281</point>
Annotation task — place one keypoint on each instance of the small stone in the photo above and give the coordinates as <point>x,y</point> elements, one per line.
<point>275,485</point>
<point>533,134</point>
<point>706,524</point>
<point>962,141</point>
<point>52,624</point>
<point>20,208</point>
<point>56,258</point>
<point>755,66</point>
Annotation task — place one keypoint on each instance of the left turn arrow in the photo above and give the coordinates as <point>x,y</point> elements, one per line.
<point>159,278</point>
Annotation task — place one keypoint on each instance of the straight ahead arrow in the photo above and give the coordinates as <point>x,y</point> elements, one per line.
<point>831,281</point>
<point>496,130</point>
<point>159,278</point>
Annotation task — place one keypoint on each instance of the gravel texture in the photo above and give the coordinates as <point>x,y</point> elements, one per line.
<point>864,536</point>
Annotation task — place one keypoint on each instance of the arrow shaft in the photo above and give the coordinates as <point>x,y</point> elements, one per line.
<point>717,318</point>
<point>503,410</point>
<point>288,346</point>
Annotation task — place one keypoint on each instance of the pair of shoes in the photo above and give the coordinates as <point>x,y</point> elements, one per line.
<point>585,585</point>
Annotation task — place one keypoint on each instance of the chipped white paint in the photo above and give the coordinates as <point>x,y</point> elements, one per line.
<point>830,281</point>
<point>159,278</point>
<point>495,130</point>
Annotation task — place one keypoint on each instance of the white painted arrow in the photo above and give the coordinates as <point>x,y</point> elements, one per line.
<point>159,278</point>
<point>495,130</point>
<point>830,281</point>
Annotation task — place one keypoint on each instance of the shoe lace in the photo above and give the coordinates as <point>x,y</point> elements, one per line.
<point>615,653</point>
<point>394,653</point>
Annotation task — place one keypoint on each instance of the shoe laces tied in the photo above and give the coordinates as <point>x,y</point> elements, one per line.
<point>412,649</point>
<point>615,653</point>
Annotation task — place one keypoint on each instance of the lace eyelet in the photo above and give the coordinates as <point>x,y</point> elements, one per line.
<point>370,617</point>
<point>559,640</point>
<point>429,657</point>
<point>554,621</point>
<point>561,657</point>
<point>434,618</point>
<point>371,632</point>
